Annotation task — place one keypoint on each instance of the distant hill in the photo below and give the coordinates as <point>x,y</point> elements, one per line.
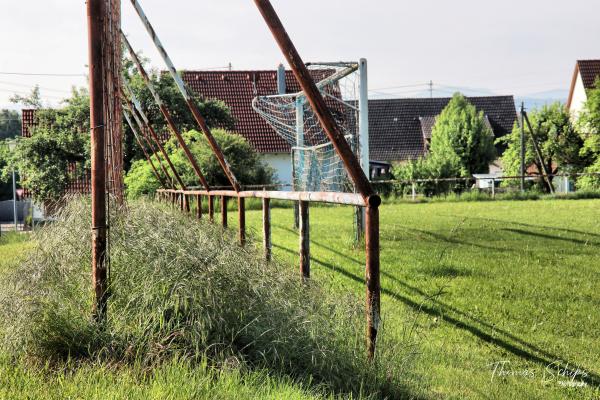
<point>536,100</point>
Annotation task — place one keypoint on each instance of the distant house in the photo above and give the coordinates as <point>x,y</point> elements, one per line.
<point>400,129</point>
<point>584,77</point>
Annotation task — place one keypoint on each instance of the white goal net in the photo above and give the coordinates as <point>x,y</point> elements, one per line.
<point>315,163</point>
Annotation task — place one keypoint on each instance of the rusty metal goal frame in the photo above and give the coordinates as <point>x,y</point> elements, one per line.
<point>365,195</point>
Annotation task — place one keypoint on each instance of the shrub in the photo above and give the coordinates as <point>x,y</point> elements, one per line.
<point>245,163</point>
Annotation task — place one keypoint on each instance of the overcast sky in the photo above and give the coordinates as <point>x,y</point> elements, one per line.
<point>516,47</point>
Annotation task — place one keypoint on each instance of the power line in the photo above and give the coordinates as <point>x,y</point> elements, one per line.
<point>43,74</point>
<point>32,86</point>
<point>400,87</point>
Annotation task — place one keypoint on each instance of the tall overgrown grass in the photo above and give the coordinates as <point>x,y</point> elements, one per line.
<point>184,290</point>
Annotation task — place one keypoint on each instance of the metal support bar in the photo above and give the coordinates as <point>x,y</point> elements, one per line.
<point>304,240</point>
<point>351,199</point>
<point>242,220</point>
<point>96,13</point>
<point>139,142</point>
<point>199,206</point>
<point>211,208</point>
<point>188,99</point>
<point>266,203</point>
<point>166,114</point>
<point>146,123</point>
<point>539,154</point>
<point>224,211</point>
<point>186,203</point>
<point>333,131</point>
<point>149,141</point>
<point>372,275</point>
<point>522,150</point>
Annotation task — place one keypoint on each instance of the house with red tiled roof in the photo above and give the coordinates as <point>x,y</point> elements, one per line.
<point>584,78</point>
<point>237,89</point>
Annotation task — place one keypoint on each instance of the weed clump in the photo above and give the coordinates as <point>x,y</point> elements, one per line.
<point>183,289</point>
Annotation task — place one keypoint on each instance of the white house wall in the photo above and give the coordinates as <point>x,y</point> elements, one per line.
<point>282,164</point>
<point>579,97</point>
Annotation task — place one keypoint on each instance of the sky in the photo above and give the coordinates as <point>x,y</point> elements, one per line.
<point>519,47</point>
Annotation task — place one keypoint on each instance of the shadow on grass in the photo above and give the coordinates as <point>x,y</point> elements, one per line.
<point>545,227</point>
<point>551,237</point>
<point>461,320</point>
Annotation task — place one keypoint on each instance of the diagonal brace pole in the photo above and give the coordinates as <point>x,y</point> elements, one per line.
<point>188,99</point>
<point>315,98</point>
<point>538,153</point>
<point>137,138</point>
<point>146,122</point>
<point>148,140</point>
<point>165,112</point>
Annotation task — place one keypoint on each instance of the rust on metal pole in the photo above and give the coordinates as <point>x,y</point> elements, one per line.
<point>304,240</point>
<point>166,114</point>
<point>332,129</point>
<point>224,211</point>
<point>211,208</point>
<point>242,220</point>
<point>96,13</point>
<point>188,99</point>
<point>372,274</point>
<point>148,159</point>
<point>266,203</point>
<point>199,206</point>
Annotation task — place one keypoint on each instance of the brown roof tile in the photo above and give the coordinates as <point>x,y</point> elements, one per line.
<point>590,71</point>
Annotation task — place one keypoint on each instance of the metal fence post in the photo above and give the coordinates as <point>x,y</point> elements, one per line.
<point>242,220</point>
<point>266,203</point>
<point>304,240</point>
<point>199,206</point>
<point>372,274</point>
<point>224,211</point>
<point>211,208</point>
<point>96,13</point>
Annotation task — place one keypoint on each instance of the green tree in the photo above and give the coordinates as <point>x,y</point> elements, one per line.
<point>244,160</point>
<point>461,145</point>
<point>33,100</point>
<point>10,124</point>
<point>560,144</point>
<point>58,150</point>
<point>461,131</point>
<point>588,124</point>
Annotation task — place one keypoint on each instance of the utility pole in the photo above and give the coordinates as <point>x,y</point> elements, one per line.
<point>522,147</point>
<point>431,89</point>
<point>14,187</point>
<point>96,12</point>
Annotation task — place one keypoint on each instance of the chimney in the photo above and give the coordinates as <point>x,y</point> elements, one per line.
<point>281,89</point>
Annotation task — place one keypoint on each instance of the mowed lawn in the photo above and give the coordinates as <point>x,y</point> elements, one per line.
<point>501,298</point>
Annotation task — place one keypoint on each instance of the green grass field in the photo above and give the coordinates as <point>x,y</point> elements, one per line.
<point>499,299</point>
<point>504,286</point>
